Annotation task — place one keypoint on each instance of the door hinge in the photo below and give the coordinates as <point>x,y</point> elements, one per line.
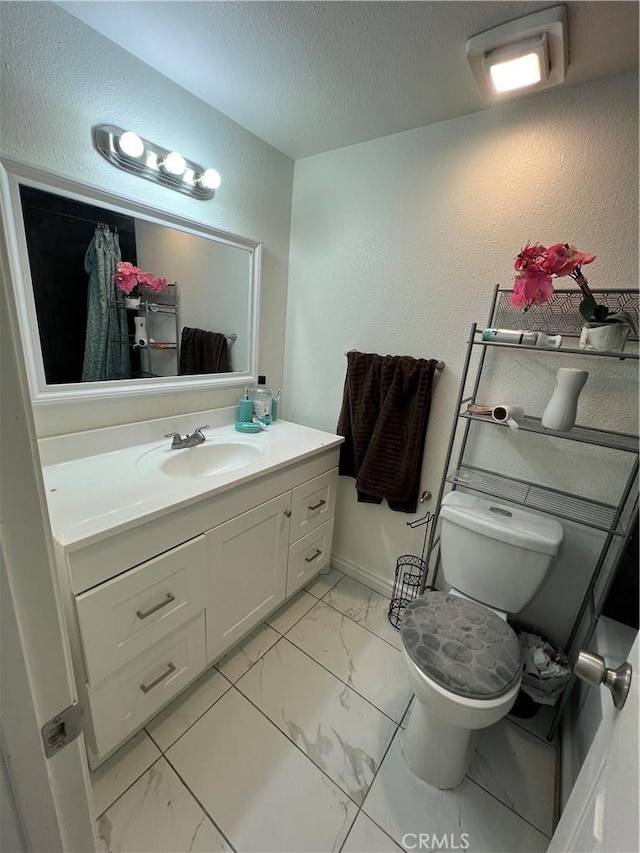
<point>62,729</point>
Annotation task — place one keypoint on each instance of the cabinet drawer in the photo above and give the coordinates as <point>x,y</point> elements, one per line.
<point>308,556</point>
<point>312,504</point>
<point>121,703</point>
<point>124,617</point>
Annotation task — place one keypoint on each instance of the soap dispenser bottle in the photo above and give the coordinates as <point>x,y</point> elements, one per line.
<point>262,398</point>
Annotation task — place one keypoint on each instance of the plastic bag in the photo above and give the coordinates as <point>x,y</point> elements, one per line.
<point>546,669</point>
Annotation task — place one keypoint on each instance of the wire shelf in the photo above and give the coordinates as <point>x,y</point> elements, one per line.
<point>594,514</point>
<point>561,314</point>
<point>587,435</point>
<point>622,355</point>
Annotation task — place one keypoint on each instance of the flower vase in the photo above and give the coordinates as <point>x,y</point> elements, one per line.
<point>604,336</point>
<point>560,413</point>
<point>132,301</point>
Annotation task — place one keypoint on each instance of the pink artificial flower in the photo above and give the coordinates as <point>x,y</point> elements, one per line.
<point>128,277</point>
<point>531,290</point>
<point>563,259</point>
<point>529,254</point>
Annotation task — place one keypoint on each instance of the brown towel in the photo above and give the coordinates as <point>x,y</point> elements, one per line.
<point>385,409</point>
<point>203,352</point>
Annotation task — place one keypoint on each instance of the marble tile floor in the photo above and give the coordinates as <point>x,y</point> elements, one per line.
<point>293,743</point>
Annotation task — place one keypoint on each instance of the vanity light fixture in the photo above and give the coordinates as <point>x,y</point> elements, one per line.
<point>128,151</point>
<point>209,179</point>
<point>130,144</point>
<point>174,164</point>
<point>521,56</point>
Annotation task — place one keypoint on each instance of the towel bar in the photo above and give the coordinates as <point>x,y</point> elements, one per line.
<point>439,366</point>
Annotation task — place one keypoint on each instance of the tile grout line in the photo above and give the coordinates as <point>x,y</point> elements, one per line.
<point>341,680</point>
<point>206,812</point>
<point>200,716</point>
<point>516,813</point>
<point>395,735</point>
<point>361,807</point>
<point>137,779</point>
<point>539,737</point>
<point>355,621</point>
<point>279,730</point>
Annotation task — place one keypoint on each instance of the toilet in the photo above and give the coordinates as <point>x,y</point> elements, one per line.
<point>464,661</point>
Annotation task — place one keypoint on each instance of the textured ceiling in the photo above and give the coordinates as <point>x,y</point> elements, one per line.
<point>310,77</point>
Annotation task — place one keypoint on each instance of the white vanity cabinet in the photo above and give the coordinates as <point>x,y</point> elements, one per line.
<point>152,605</point>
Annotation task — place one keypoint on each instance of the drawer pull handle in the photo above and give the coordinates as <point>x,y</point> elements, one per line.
<point>287,513</point>
<point>142,614</point>
<point>313,556</point>
<point>147,687</point>
<point>318,505</point>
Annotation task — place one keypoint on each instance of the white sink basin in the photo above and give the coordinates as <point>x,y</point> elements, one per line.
<point>206,460</point>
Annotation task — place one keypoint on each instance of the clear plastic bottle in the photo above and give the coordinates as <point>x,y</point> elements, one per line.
<point>262,397</point>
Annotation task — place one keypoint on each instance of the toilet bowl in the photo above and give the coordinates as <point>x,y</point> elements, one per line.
<point>463,660</point>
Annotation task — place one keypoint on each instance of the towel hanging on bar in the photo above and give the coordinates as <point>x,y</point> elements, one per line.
<point>385,410</point>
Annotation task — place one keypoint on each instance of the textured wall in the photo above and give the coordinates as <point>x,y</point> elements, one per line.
<point>395,247</point>
<point>59,78</point>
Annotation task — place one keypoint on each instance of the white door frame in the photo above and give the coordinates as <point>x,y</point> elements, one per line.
<point>52,794</point>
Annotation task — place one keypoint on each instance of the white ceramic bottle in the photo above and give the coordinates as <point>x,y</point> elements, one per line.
<point>560,413</point>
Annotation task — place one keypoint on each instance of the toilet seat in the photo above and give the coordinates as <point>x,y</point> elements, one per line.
<point>461,645</point>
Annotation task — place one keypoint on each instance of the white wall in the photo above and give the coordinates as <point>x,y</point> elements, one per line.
<point>396,245</point>
<point>59,78</point>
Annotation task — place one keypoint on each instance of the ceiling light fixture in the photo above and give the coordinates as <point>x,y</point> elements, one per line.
<point>128,151</point>
<point>521,56</point>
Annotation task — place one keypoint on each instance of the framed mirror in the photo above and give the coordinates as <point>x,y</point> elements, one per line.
<point>115,298</point>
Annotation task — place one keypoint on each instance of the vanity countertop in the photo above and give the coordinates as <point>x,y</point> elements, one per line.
<point>96,496</point>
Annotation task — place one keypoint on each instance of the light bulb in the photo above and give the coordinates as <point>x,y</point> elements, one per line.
<point>174,164</point>
<point>209,179</point>
<point>516,73</point>
<point>131,144</point>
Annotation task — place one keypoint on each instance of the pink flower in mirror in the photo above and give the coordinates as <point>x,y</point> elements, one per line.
<point>127,278</point>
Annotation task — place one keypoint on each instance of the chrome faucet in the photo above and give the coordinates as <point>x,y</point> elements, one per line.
<point>192,440</point>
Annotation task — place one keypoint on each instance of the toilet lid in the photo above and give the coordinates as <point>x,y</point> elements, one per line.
<point>462,646</point>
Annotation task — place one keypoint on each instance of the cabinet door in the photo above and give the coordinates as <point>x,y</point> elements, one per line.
<point>247,559</point>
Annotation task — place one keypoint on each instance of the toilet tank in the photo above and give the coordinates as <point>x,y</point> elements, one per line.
<point>496,554</point>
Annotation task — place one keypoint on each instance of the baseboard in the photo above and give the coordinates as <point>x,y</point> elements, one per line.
<point>368,578</point>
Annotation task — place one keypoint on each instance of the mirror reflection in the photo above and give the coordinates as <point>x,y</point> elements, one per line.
<point>120,297</point>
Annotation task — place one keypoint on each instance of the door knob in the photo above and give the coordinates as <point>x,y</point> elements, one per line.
<point>593,670</point>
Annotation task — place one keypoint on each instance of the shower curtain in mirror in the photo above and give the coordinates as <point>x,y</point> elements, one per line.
<point>106,352</point>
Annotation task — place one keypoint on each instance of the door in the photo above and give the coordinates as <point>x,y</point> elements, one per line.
<point>601,815</point>
<point>51,794</point>
<point>247,559</point>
